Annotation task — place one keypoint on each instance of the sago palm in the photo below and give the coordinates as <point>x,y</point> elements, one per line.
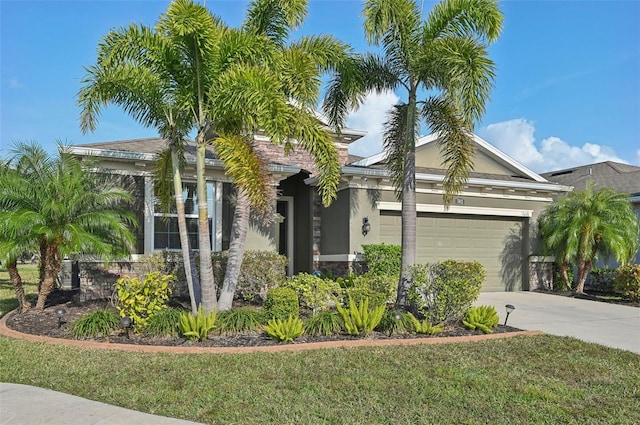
<point>442,66</point>
<point>587,224</point>
<point>54,203</point>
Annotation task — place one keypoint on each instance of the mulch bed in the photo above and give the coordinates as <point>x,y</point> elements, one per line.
<point>46,323</point>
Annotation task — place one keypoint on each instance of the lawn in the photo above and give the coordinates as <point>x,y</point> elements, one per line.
<point>8,301</point>
<point>533,379</point>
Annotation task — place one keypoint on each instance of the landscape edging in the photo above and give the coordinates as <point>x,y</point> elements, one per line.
<point>5,331</point>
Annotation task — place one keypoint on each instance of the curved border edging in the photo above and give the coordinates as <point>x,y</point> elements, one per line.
<point>5,331</point>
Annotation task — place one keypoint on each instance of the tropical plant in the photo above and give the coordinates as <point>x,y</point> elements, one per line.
<point>314,292</point>
<point>324,323</point>
<point>163,322</point>
<point>590,223</point>
<point>141,299</point>
<point>358,318</point>
<point>137,69</point>
<point>198,326</point>
<point>394,321</point>
<point>98,324</point>
<point>424,326</point>
<point>627,281</point>
<point>55,203</point>
<point>482,317</point>
<point>242,319</point>
<point>285,330</point>
<point>281,303</point>
<point>446,58</point>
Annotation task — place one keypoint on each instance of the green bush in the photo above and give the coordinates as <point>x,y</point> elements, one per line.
<point>140,299</point>
<point>324,323</point>
<point>627,281</point>
<point>285,330</point>
<point>379,289</point>
<point>281,303</point>
<point>394,321</point>
<point>558,280</point>
<point>358,318</point>
<point>603,279</point>
<point>383,260</point>
<point>483,317</point>
<point>163,323</point>
<point>260,272</point>
<point>199,326</point>
<point>314,292</point>
<point>444,291</point>
<point>98,324</point>
<point>243,319</point>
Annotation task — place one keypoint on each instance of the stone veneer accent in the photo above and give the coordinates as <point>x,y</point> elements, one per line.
<point>541,273</point>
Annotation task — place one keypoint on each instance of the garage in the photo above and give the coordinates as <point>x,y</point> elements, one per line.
<point>496,242</point>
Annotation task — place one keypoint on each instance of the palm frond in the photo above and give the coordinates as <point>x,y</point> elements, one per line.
<point>275,18</point>
<point>395,146</point>
<point>460,18</point>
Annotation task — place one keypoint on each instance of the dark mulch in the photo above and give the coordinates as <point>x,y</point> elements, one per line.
<point>46,323</point>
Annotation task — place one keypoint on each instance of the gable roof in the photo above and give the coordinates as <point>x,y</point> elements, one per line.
<point>623,178</point>
<point>519,170</point>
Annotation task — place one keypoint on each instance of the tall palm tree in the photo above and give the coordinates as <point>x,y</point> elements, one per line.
<point>136,70</point>
<point>58,205</point>
<point>442,65</point>
<point>587,224</point>
<point>275,94</point>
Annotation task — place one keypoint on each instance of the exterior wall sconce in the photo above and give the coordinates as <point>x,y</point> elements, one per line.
<point>459,201</point>
<point>366,226</point>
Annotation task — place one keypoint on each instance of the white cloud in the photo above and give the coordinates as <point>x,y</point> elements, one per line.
<point>370,117</point>
<point>516,139</point>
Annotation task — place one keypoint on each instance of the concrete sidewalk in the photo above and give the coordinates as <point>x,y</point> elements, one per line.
<point>27,405</point>
<point>607,324</point>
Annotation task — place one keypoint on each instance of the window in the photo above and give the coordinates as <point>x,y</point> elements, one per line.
<point>165,226</point>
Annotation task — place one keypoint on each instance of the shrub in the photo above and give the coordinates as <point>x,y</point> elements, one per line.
<point>394,321</point>
<point>383,260</point>
<point>359,318</point>
<point>483,317</point>
<point>423,326</point>
<point>314,292</point>
<point>603,279</point>
<point>379,289</point>
<point>285,330</point>
<point>627,281</point>
<point>163,323</point>
<point>98,324</point>
<point>324,323</point>
<point>444,291</point>
<point>281,303</point>
<point>243,319</point>
<point>260,272</point>
<point>558,280</point>
<point>199,326</point>
<point>139,300</point>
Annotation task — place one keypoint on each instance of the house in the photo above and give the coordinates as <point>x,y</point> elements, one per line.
<point>490,220</point>
<point>622,178</point>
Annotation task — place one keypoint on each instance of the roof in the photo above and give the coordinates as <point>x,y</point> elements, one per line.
<point>623,178</point>
<point>153,146</point>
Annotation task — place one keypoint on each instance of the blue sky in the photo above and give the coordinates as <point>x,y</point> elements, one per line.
<point>567,90</point>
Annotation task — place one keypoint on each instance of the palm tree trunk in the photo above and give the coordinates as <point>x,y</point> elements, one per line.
<point>236,250</point>
<point>51,264</point>
<point>16,280</point>
<point>409,218</point>
<point>564,271</point>
<point>584,267</point>
<point>207,281</point>
<point>191,274</point>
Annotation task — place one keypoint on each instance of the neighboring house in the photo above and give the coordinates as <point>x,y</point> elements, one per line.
<point>622,178</point>
<point>491,220</point>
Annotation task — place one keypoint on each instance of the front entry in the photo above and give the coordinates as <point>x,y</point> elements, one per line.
<point>284,232</point>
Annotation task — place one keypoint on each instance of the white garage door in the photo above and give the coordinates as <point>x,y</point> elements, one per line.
<point>496,242</point>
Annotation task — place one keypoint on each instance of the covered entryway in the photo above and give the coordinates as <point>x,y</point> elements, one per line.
<point>496,242</point>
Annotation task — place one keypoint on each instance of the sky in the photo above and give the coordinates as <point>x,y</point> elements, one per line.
<point>566,93</point>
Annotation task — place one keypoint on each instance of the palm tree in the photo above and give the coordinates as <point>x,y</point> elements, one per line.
<point>58,205</point>
<point>275,94</point>
<point>587,224</point>
<point>443,58</point>
<point>126,75</point>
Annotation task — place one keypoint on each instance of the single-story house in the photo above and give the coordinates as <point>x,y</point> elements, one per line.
<point>491,220</point>
<point>623,178</point>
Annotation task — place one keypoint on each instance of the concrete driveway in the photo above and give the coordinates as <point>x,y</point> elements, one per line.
<point>606,324</point>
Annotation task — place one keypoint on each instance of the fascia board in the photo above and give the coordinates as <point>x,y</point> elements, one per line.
<point>457,209</point>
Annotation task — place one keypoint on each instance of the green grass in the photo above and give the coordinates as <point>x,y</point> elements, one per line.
<point>540,379</point>
<point>8,300</point>
<point>523,380</point>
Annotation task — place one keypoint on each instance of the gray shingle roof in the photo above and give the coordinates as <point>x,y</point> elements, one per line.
<point>152,145</point>
<point>613,175</point>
